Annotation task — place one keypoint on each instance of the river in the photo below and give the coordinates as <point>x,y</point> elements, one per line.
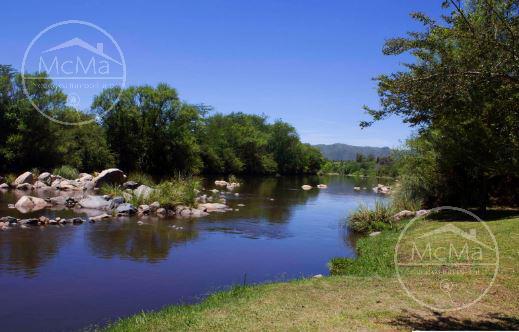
<point>69,277</point>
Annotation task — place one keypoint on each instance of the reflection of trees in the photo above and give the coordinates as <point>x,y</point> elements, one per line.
<point>150,242</point>
<point>25,250</point>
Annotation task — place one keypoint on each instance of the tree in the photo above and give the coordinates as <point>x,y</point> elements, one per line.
<point>150,129</point>
<point>462,93</point>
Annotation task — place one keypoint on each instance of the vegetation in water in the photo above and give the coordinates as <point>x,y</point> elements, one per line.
<point>365,219</point>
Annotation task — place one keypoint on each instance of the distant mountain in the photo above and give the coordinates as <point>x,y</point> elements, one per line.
<point>340,151</point>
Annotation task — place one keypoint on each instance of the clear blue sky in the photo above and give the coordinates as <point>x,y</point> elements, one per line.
<point>310,63</point>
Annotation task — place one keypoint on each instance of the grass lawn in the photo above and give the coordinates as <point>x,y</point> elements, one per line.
<point>365,296</point>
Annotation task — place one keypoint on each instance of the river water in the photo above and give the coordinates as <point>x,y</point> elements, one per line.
<point>62,278</point>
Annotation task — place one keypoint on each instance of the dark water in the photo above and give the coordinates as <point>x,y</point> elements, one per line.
<point>59,278</point>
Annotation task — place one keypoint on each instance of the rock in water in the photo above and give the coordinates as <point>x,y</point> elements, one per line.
<point>306,187</point>
<point>94,202</point>
<point>322,186</point>
<point>210,207</point>
<point>109,176</point>
<point>28,203</point>
<point>126,209</point>
<point>26,177</point>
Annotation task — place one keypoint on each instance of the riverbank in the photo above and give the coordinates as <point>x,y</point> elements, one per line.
<point>368,297</point>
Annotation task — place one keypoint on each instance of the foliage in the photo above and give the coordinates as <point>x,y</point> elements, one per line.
<point>240,143</point>
<point>150,129</point>
<point>10,178</point>
<point>66,171</point>
<point>177,191</point>
<point>366,220</point>
<point>363,166</point>
<point>29,140</point>
<point>461,94</point>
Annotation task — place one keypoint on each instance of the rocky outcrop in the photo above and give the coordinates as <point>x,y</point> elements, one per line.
<point>26,177</point>
<point>28,204</point>
<point>109,176</point>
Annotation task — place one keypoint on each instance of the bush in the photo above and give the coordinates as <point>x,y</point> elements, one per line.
<point>366,220</point>
<point>141,178</point>
<point>233,179</point>
<point>9,178</point>
<point>179,191</point>
<point>68,172</point>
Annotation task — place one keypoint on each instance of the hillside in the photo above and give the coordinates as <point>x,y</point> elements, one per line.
<point>340,151</point>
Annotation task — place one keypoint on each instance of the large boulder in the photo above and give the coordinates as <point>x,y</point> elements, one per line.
<point>45,178</point>
<point>28,203</point>
<point>126,209</point>
<point>26,177</point>
<point>130,185</point>
<point>143,191</point>
<point>94,202</point>
<point>109,176</point>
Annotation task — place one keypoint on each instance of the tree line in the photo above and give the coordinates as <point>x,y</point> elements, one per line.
<point>148,129</point>
<point>462,95</point>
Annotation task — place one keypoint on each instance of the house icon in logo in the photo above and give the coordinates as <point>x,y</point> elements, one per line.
<point>78,42</point>
<point>450,228</point>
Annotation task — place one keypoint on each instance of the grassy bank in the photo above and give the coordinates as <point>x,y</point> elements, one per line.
<point>365,295</point>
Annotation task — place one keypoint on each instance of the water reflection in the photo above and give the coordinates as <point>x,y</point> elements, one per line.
<point>23,251</point>
<point>264,209</point>
<point>149,242</point>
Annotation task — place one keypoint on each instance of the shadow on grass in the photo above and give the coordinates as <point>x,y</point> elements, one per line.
<point>489,215</point>
<point>437,321</point>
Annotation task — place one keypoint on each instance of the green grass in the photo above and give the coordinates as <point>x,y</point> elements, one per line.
<point>68,172</point>
<point>10,178</point>
<point>111,190</point>
<point>366,296</point>
<point>366,220</point>
<point>170,193</point>
<point>141,178</point>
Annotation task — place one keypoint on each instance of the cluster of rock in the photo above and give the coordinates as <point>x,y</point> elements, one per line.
<point>382,189</point>
<point>308,187</point>
<point>82,197</point>
<point>8,221</point>
<point>47,181</point>
<point>229,185</point>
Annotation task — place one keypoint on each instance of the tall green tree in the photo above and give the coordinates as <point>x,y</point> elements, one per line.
<point>462,93</point>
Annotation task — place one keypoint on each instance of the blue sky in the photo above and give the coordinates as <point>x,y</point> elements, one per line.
<point>310,63</point>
